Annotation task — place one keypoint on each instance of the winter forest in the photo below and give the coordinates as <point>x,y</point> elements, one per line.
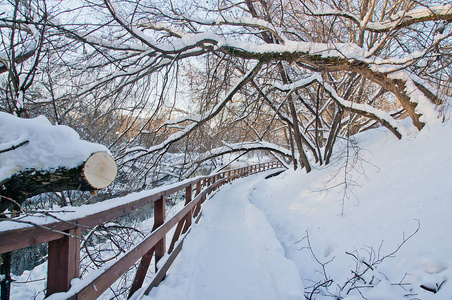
<point>352,98</point>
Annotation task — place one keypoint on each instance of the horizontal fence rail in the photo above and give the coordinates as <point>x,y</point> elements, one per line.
<point>64,236</point>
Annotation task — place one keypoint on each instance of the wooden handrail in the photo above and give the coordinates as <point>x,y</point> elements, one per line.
<point>64,235</point>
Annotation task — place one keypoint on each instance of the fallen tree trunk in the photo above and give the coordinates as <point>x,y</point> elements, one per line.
<point>96,173</point>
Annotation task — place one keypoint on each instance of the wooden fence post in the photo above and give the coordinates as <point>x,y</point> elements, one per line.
<point>198,206</point>
<point>186,220</point>
<point>188,198</point>
<point>63,262</point>
<point>198,188</point>
<point>159,219</point>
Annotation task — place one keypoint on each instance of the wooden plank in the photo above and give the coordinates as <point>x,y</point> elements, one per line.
<point>188,221</point>
<point>180,225</point>
<point>188,194</point>
<point>63,263</point>
<point>141,272</point>
<point>162,272</point>
<point>197,210</point>
<point>21,238</point>
<point>97,285</point>
<point>159,218</point>
<point>198,187</point>
<point>176,235</point>
<point>159,276</point>
<point>25,237</point>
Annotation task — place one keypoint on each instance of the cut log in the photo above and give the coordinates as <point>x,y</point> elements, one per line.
<point>100,170</point>
<point>96,173</point>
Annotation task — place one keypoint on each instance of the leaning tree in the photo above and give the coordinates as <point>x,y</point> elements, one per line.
<point>319,68</point>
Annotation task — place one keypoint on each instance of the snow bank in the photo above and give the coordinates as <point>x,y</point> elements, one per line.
<point>48,147</point>
<point>393,186</point>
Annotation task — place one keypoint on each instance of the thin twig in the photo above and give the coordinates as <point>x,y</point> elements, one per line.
<point>14,147</point>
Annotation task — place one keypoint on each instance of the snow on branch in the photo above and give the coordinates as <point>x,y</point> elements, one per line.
<point>211,40</point>
<point>315,77</point>
<point>243,147</point>
<point>244,21</point>
<point>199,120</point>
<point>369,111</point>
<point>18,25</point>
<point>424,105</point>
<point>336,12</point>
<point>182,44</point>
<point>404,19</point>
<point>429,91</point>
<point>166,27</point>
<point>186,43</point>
<point>27,50</point>
<point>397,21</point>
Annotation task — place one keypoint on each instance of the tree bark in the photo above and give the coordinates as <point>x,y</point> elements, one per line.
<point>297,136</point>
<point>395,86</point>
<point>333,134</point>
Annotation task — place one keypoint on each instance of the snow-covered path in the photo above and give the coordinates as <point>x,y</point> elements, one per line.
<point>232,253</point>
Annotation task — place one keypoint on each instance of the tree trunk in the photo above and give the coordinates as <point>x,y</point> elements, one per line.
<point>297,134</point>
<point>96,173</point>
<point>333,134</point>
<point>292,148</point>
<point>395,86</point>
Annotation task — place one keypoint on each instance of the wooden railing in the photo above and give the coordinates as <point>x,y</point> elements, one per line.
<point>64,236</point>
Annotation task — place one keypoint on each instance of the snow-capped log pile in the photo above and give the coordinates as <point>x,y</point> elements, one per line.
<point>38,157</point>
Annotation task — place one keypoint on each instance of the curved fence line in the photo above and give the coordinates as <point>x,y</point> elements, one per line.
<point>64,236</point>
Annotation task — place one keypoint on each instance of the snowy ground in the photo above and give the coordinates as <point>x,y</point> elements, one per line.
<point>303,235</point>
<point>254,232</point>
<point>232,254</point>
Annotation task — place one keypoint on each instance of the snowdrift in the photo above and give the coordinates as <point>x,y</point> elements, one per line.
<point>377,220</point>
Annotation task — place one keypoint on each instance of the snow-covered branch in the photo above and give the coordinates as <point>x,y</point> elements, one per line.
<point>243,147</point>
<point>200,119</point>
<point>363,109</point>
<point>399,20</point>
